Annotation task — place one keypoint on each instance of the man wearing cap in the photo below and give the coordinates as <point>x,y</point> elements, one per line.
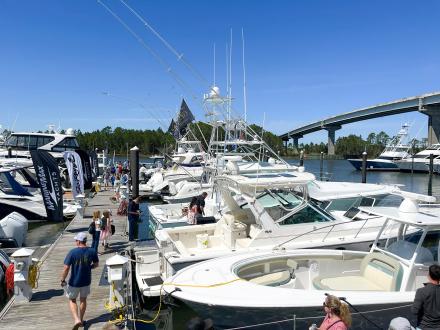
<point>79,261</point>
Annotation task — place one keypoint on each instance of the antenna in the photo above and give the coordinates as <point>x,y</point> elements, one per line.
<point>230,78</point>
<point>214,64</point>
<point>244,80</point>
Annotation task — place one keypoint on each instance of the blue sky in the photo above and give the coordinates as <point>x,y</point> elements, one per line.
<point>305,61</point>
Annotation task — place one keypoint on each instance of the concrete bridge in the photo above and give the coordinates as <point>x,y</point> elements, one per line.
<point>428,104</point>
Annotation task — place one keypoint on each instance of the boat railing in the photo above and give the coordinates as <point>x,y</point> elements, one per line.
<point>331,229</point>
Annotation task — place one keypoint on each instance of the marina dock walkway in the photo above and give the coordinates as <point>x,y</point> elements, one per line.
<point>48,308</point>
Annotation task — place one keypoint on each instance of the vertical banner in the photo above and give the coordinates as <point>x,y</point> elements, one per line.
<point>74,167</point>
<point>87,168</point>
<point>94,162</point>
<point>48,176</point>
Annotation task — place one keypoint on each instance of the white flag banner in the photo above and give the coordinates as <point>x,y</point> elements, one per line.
<point>76,174</point>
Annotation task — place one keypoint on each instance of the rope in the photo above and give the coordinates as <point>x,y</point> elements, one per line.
<point>34,275</point>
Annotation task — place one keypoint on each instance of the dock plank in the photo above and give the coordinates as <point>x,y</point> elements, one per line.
<point>49,308</point>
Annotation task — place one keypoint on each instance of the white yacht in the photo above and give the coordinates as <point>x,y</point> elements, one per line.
<point>18,145</point>
<point>396,150</point>
<point>261,212</point>
<point>331,196</point>
<point>380,283</point>
<point>420,161</point>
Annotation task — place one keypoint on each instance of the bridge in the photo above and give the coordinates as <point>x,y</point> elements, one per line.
<point>428,104</point>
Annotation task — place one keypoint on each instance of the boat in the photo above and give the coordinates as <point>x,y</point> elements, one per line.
<point>420,161</point>
<point>13,230</point>
<point>260,212</point>
<point>394,151</point>
<point>18,145</point>
<point>331,196</point>
<point>24,197</point>
<point>286,288</point>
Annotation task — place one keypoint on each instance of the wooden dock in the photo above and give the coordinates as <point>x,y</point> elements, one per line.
<point>48,308</point>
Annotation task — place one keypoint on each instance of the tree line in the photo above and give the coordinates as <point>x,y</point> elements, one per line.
<point>157,141</point>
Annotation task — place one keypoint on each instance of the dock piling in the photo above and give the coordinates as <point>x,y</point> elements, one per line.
<point>321,165</point>
<point>134,171</point>
<point>301,158</point>
<point>364,167</point>
<point>431,170</point>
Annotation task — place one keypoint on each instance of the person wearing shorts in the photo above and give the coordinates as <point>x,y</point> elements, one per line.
<point>79,262</point>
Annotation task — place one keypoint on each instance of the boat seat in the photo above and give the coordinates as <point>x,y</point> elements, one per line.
<point>378,272</point>
<point>272,279</point>
<point>277,278</point>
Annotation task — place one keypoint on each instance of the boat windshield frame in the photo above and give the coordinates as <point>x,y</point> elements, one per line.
<point>403,247</point>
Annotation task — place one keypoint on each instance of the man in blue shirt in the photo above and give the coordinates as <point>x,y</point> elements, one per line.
<point>79,261</point>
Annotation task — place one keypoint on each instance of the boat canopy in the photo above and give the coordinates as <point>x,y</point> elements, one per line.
<point>10,186</point>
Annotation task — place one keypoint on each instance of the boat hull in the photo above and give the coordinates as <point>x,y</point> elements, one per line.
<point>296,317</point>
<point>374,165</point>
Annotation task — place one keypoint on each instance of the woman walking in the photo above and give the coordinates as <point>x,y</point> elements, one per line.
<point>97,233</point>
<point>106,230</point>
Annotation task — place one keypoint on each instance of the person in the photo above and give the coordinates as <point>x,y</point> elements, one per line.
<point>426,305</point>
<point>337,314</point>
<point>192,210</point>
<point>79,262</point>
<point>97,233</point>
<point>400,323</point>
<point>106,230</point>
<point>124,178</point>
<point>201,203</point>
<point>133,217</point>
<point>106,178</point>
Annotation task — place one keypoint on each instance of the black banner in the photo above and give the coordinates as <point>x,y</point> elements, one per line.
<point>87,168</point>
<point>94,162</point>
<point>48,176</point>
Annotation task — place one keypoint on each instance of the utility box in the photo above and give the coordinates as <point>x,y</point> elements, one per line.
<point>22,259</point>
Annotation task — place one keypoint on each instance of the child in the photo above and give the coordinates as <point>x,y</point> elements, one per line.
<point>106,231</point>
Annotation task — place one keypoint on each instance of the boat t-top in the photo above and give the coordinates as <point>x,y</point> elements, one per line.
<point>286,288</point>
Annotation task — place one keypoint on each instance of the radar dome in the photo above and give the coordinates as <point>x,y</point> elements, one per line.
<point>215,92</point>
<point>70,131</point>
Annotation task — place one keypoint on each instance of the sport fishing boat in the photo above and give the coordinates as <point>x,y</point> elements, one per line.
<point>260,212</point>
<point>420,161</point>
<point>396,150</point>
<point>379,284</point>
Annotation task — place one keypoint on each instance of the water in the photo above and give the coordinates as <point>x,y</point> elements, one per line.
<point>336,170</point>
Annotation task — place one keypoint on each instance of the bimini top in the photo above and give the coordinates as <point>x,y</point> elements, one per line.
<point>257,182</point>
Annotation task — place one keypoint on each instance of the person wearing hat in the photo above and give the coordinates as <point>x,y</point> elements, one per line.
<point>79,261</point>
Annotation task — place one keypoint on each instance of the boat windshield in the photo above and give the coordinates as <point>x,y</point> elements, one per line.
<point>345,204</point>
<point>68,143</point>
<point>404,244</point>
<point>279,204</point>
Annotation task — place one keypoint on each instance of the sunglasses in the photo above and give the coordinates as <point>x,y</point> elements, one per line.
<point>324,304</point>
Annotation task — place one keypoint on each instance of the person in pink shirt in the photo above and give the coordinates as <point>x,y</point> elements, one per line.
<point>337,314</point>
